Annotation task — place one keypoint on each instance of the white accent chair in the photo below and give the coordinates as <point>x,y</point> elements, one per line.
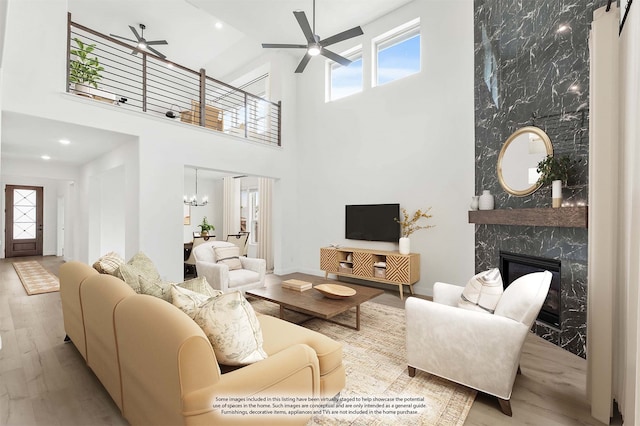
<point>220,277</point>
<point>475,349</point>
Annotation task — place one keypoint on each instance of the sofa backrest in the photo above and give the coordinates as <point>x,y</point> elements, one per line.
<point>204,252</point>
<point>72,275</point>
<point>163,355</point>
<point>523,298</point>
<point>100,294</point>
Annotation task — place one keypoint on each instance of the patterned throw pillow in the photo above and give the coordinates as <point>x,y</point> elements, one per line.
<point>230,256</point>
<point>188,301</point>
<point>138,265</point>
<point>200,285</point>
<point>157,288</point>
<point>233,329</point>
<point>483,292</point>
<point>109,263</point>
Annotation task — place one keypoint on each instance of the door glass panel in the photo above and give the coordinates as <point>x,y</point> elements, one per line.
<point>24,214</point>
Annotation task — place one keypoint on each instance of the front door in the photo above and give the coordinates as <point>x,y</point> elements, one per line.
<point>23,220</point>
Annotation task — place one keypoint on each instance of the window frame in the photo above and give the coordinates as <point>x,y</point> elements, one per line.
<point>392,38</point>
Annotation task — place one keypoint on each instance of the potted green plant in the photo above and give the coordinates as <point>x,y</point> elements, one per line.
<point>555,171</point>
<point>205,227</point>
<point>84,70</point>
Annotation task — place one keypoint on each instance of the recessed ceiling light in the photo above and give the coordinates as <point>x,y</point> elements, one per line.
<point>219,25</point>
<point>64,141</point>
<point>45,157</point>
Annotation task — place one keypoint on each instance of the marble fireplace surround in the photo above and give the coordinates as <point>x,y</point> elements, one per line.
<point>549,233</point>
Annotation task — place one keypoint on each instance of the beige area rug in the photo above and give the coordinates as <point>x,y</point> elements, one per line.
<point>375,361</point>
<point>35,279</point>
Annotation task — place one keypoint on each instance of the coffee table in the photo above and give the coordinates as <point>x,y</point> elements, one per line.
<point>312,302</point>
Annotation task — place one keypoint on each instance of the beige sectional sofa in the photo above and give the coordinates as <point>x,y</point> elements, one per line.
<point>160,368</point>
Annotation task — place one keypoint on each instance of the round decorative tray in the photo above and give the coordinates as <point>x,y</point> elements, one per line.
<point>335,291</point>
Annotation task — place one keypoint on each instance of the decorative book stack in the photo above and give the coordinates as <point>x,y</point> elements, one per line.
<point>296,285</point>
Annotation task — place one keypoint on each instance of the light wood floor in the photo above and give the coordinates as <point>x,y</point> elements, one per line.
<point>46,382</point>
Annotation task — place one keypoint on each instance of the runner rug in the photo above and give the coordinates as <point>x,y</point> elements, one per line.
<point>35,279</point>
<point>375,362</point>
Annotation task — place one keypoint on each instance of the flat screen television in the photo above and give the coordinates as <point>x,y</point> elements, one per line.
<point>372,222</point>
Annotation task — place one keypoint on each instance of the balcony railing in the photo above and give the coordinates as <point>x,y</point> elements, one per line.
<point>135,79</point>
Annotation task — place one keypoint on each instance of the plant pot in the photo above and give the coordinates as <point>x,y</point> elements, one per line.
<point>204,233</point>
<point>556,194</point>
<point>405,245</point>
<point>83,90</point>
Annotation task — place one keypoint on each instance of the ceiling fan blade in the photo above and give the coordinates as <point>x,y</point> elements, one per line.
<point>134,52</point>
<point>156,52</point>
<point>156,42</point>
<point>123,38</point>
<point>283,46</point>
<point>135,33</point>
<point>335,57</point>
<point>303,63</point>
<point>345,35</point>
<point>304,26</point>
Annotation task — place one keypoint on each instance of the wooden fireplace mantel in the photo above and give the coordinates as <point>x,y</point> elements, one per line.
<point>566,217</point>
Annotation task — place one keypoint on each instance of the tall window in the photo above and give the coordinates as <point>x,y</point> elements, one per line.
<point>345,81</point>
<point>397,53</point>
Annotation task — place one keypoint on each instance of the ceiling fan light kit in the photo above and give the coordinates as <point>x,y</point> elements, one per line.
<point>315,46</point>
<point>141,42</point>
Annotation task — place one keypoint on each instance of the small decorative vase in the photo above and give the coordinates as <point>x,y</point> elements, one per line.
<point>204,233</point>
<point>475,202</point>
<point>405,245</point>
<point>486,201</point>
<point>556,193</point>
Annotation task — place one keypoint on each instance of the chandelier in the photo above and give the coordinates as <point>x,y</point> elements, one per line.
<point>193,201</point>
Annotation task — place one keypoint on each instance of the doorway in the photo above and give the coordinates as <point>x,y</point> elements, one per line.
<point>23,220</point>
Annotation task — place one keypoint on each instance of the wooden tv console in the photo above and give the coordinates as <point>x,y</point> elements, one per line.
<point>401,269</point>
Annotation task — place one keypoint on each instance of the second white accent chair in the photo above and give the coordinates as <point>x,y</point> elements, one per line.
<point>220,277</point>
<point>476,349</point>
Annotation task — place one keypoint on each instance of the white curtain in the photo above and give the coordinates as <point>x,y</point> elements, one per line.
<point>603,211</point>
<point>228,209</point>
<point>626,388</point>
<point>265,201</point>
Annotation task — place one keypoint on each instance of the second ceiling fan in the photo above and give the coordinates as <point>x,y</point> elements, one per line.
<point>141,42</point>
<point>315,46</point>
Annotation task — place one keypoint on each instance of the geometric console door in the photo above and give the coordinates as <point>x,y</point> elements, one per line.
<point>23,220</point>
<point>388,267</point>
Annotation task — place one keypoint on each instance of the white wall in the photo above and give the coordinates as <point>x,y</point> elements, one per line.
<point>407,142</point>
<point>164,146</point>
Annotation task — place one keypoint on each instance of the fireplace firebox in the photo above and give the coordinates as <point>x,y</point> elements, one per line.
<point>513,266</point>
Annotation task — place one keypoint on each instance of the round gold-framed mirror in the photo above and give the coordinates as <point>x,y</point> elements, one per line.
<point>519,158</point>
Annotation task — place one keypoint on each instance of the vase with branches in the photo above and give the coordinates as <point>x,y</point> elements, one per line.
<point>410,224</point>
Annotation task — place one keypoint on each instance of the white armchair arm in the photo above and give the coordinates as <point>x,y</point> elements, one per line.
<point>472,348</point>
<point>256,265</point>
<point>217,275</point>
<point>447,294</point>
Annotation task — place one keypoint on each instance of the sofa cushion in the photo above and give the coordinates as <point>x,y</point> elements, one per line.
<point>279,335</point>
<point>229,256</point>
<point>483,292</point>
<point>231,325</point>
<point>157,288</point>
<point>200,285</point>
<point>138,265</point>
<point>109,263</point>
<point>186,300</point>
